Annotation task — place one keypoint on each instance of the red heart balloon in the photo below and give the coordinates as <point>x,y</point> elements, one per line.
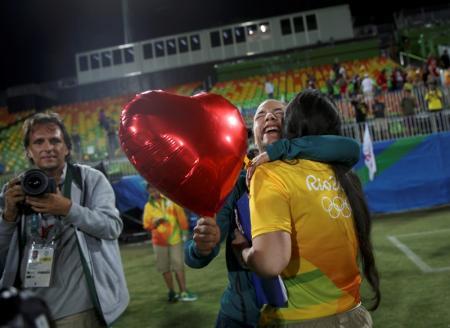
<point>190,148</point>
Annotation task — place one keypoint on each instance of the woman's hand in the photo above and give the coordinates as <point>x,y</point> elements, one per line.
<point>258,160</point>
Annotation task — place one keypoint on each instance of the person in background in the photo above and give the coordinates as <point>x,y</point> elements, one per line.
<point>113,141</point>
<point>361,112</point>
<point>269,89</point>
<point>167,223</point>
<point>434,98</point>
<point>408,106</point>
<point>311,224</point>
<point>435,105</point>
<point>379,114</point>
<point>382,80</point>
<point>103,120</point>
<point>76,140</point>
<point>368,90</point>
<point>445,60</point>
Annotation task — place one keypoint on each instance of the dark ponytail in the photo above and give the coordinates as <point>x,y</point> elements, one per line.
<point>311,113</point>
<point>349,181</point>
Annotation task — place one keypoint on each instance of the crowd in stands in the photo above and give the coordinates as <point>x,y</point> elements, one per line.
<point>363,90</point>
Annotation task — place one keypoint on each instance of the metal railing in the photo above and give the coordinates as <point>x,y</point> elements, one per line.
<point>393,128</point>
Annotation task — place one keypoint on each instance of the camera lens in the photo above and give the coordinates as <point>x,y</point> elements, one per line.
<point>35,182</point>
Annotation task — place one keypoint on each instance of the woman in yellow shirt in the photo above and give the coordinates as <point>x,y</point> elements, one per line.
<point>311,224</point>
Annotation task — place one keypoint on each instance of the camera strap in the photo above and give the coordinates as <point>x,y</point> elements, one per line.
<point>75,174</point>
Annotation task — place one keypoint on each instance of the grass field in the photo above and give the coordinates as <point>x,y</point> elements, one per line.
<point>413,257</point>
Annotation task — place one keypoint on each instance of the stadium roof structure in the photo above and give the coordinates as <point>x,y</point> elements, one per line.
<point>42,37</point>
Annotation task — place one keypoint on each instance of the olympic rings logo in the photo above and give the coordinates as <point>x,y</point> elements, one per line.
<point>336,207</point>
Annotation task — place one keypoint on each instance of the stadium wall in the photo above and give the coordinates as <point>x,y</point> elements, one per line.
<point>136,84</point>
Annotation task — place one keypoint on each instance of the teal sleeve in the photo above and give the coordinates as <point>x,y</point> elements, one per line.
<point>323,148</point>
<point>191,256</point>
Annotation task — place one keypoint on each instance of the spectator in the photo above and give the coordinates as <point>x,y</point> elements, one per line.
<point>382,80</point>
<point>76,141</point>
<point>332,75</point>
<point>168,225</point>
<point>434,98</point>
<point>113,141</point>
<point>379,113</point>
<point>269,88</point>
<point>408,107</point>
<point>379,107</point>
<point>356,81</point>
<point>342,84</point>
<point>329,86</point>
<point>435,104</point>
<point>336,68</point>
<point>342,73</point>
<point>360,108</point>
<point>445,60</point>
<point>75,228</point>
<point>408,103</point>
<point>368,90</point>
<point>103,120</point>
<point>433,73</point>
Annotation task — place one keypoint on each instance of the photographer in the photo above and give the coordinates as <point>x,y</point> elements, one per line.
<point>62,244</point>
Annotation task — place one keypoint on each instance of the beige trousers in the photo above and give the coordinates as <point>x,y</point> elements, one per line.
<point>86,319</point>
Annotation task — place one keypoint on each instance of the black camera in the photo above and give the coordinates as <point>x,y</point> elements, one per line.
<point>36,182</point>
<point>23,309</point>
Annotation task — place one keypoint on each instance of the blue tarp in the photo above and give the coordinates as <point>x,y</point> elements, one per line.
<point>130,193</point>
<point>420,179</point>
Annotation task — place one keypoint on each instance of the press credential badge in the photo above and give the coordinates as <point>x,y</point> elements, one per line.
<point>39,266</point>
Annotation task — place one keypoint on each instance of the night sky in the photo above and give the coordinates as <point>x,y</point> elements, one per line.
<point>40,37</point>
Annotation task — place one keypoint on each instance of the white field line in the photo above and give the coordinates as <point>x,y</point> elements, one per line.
<point>423,233</point>
<point>414,257</point>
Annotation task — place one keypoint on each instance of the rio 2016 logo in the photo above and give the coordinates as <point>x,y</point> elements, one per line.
<point>336,207</point>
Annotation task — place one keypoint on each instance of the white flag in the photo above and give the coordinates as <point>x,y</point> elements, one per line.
<point>369,157</point>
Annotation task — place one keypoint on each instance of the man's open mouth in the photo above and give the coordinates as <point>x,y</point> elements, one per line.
<point>271,129</point>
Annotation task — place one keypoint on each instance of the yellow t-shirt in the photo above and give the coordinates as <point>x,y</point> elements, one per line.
<point>167,232</point>
<point>304,199</point>
<point>434,100</point>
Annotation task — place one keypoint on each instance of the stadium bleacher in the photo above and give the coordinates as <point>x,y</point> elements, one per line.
<point>82,117</point>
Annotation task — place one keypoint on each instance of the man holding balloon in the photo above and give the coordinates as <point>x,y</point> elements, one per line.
<point>239,304</point>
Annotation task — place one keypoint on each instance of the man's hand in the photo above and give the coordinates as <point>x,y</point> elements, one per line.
<point>206,235</point>
<point>13,196</point>
<point>55,204</point>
